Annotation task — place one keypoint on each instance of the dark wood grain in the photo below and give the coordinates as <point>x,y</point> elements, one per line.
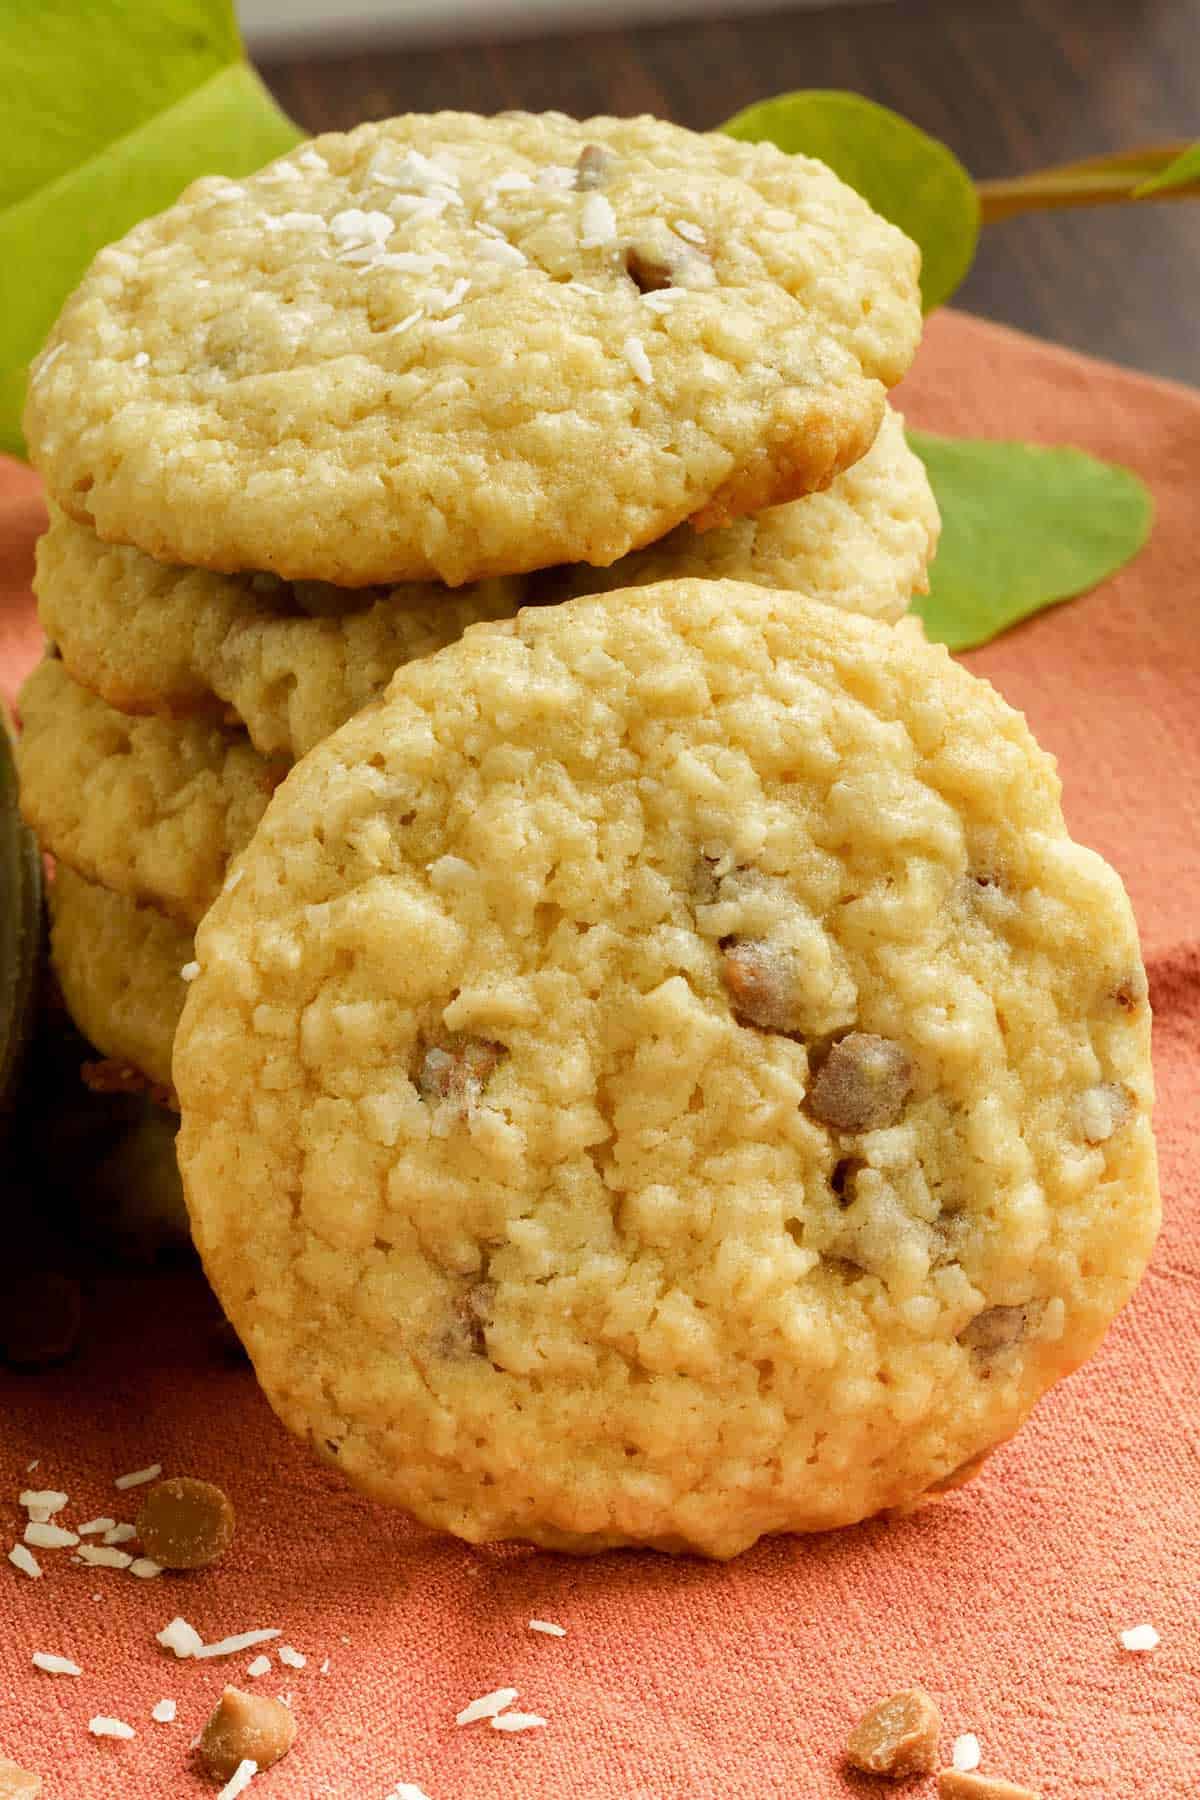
<point>1011,85</point>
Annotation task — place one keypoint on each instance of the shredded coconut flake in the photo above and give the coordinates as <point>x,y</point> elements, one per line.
<point>443,327</point>
<point>261,1665</point>
<point>354,226</point>
<point>511,183</point>
<point>966,1754</point>
<point>487,1706</point>
<point>101,1556</point>
<point>499,250</point>
<point>163,1713</point>
<point>324,1670</point>
<point>1138,1637</point>
<point>43,368</point>
<point>407,1790</point>
<point>548,1627</point>
<point>420,206</point>
<point>120,1534</point>
<point>145,1567</point>
<point>291,1657</point>
<point>661,300</point>
<point>139,360</point>
<point>557,177</point>
<point>55,1665</point>
<point>101,1726</point>
<point>240,1780</point>
<point>50,1537</point>
<point>31,1466</point>
<point>180,1637</point>
<point>514,1721</point>
<point>598,222</point>
<point>244,1640</point>
<point>25,1560</point>
<point>137,1476</point>
<point>44,1500</point>
<point>639,362</point>
<point>95,1526</point>
<point>189,971</point>
<point>233,880</point>
<point>407,324</point>
<point>685,229</point>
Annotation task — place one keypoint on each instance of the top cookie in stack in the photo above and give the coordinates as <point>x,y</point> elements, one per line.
<point>301,429</point>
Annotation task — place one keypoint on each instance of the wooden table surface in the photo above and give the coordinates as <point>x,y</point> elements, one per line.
<point>1011,85</point>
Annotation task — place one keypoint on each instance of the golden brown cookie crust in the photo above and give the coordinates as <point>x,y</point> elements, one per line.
<point>525,1222</point>
<point>433,349</point>
<point>151,808</point>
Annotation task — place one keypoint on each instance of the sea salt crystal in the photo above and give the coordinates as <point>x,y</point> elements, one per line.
<point>1140,1637</point>
<point>487,1706</point>
<point>965,1755</point>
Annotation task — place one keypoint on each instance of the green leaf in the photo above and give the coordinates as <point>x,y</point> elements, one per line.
<point>77,78</point>
<point>909,177</point>
<point>227,125</point>
<point>1022,528</point>
<point>1181,173</point>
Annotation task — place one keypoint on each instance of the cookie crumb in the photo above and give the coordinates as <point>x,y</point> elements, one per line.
<point>996,1328</point>
<point>957,1784</point>
<point>1140,1637</point>
<point>17,1783</point>
<point>185,1523</point>
<point>966,1754</point>
<point>245,1728</point>
<point>897,1737</point>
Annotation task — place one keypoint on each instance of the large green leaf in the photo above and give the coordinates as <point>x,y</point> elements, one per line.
<point>1022,528</point>
<point>228,125</point>
<point>77,78</point>
<point>1183,172</point>
<point>909,177</point>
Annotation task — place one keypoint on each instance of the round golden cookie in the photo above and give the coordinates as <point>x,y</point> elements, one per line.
<point>290,662</point>
<point>449,347</point>
<point>120,967</point>
<point>151,808</point>
<point>666,1075</point>
<point>865,544</point>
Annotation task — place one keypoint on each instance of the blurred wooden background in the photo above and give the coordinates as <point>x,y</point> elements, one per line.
<point>1010,85</point>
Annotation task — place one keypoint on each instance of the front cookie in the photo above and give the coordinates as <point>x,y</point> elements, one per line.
<point>666,1075</point>
<point>451,347</point>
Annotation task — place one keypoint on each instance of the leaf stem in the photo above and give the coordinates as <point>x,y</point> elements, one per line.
<point>1096,181</point>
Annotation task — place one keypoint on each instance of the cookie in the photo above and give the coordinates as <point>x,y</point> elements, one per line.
<point>290,663</point>
<point>666,1075</point>
<point>448,347</point>
<point>152,808</point>
<point>119,966</point>
<point>865,544</point>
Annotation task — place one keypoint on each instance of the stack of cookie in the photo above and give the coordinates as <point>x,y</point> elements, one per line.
<point>301,430</point>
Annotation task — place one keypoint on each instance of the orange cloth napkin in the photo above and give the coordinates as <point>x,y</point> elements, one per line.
<point>680,1678</point>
